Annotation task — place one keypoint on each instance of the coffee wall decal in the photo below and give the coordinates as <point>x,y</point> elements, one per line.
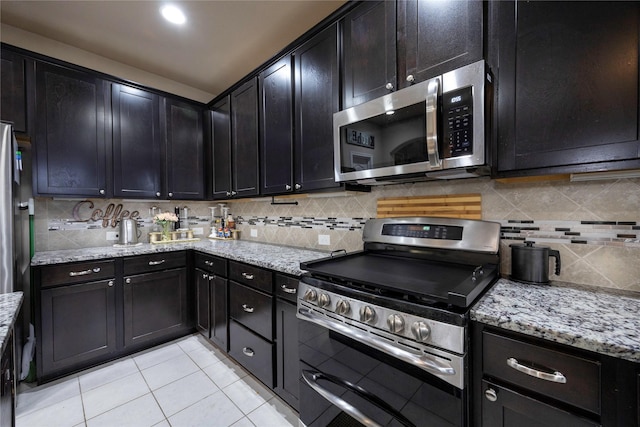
<point>110,216</point>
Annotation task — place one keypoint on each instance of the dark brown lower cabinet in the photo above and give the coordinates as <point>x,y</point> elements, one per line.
<point>502,407</point>
<point>203,322</point>
<point>287,359</point>
<point>252,351</point>
<point>211,307</point>
<point>7,385</point>
<point>78,326</point>
<point>155,305</point>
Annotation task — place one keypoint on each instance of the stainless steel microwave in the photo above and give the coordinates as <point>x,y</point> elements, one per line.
<point>433,129</point>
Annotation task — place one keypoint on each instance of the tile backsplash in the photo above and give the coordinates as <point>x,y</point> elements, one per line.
<point>595,225</point>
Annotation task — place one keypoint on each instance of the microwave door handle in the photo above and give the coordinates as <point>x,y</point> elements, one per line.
<point>432,124</point>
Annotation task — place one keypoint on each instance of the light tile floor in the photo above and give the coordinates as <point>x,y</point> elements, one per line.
<point>187,382</point>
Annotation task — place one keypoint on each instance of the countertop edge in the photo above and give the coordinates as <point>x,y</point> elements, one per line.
<point>10,304</point>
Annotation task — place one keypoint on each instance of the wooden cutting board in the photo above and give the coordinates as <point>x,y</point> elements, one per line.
<point>467,206</point>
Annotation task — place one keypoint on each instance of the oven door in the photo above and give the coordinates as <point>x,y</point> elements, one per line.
<point>346,383</point>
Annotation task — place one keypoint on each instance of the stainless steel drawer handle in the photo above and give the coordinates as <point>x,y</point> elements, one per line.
<point>84,272</point>
<point>288,290</point>
<point>209,263</point>
<point>248,352</point>
<point>247,276</point>
<point>156,262</point>
<point>246,308</point>
<point>555,377</point>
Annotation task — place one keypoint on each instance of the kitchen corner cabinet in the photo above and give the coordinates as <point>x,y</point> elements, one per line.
<point>156,297</point>
<point>523,381</point>
<point>137,143</point>
<point>568,78</point>
<point>287,355</point>
<point>75,316</point>
<point>13,105</point>
<point>72,149</point>
<point>212,298</point>
<point>8,383</point>
<point>297,143</point>
<point>390,45</point>
<point>184,177</point>
<point>235,143</point>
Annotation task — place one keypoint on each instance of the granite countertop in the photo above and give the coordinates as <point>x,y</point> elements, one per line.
<point>596,319</point>
<point>10,304</point>
<point>284,259</point>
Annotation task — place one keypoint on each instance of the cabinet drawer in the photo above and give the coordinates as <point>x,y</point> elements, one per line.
<point>77,272</point>
<point>251,308</point>
<point>252,352</point>
<point>287,287</point>
<point>581,389</point>
<point>249,275</point>
<point>210,263</point>
<point>154,262</point>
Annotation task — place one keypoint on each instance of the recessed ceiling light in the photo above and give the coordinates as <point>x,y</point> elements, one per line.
<point>173,14</point>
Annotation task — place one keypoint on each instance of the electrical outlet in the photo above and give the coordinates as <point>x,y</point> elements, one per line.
<point>198,231</point>
<point>254,232</point>
<point>112,235</point>
<point>324,239</point>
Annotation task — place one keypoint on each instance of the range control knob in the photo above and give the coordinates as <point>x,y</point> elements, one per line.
<point>310,295</point>
<point>367,314</point>
<point>342,307</point>
<point>395,323</point>
<point>421,331</point>
<point>324,300</point>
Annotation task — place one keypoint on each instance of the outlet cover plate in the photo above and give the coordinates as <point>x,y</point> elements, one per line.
<point>324,239</point>
<point>112,235</point>
<point>198,231</point>
<point>254,232</point>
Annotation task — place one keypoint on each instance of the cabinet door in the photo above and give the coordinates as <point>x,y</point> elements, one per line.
<point>436,37</point>
<point>276,127</point>
<point>71,151</point>
<point>155,306</point>
<point>369,49</point>
<point>219,312</point>
<point>317,97</point>
<point>287,385</point>
<point>568,86</point>
<point>184,151</point>
<point>137,143</point>
<point>13,107</point>
<point>506,408</point>
<point>202,302</point>
<point>78,325</point>
<point>221,140</point>
<point>244,139</point>
<point>7,384</point>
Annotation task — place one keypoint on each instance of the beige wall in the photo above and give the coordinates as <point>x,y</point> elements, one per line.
<point>601,261</point>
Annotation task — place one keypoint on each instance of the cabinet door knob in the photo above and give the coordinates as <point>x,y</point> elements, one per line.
<point>127,280</point>
<point>233,193</point>
<point>101,191</point>
<point>298,186</point>
<point>205,276</point>
<point>287,187</point>
<point>410,78</point>
<point>157,194</point>
<point>110,284</point>
<point>248,351</point>
<point>228,193</point>
<point>170,194</point>
<point>491,395</point>
<point>389,86</point>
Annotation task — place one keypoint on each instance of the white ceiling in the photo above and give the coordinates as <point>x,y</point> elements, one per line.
<point>221,42</point>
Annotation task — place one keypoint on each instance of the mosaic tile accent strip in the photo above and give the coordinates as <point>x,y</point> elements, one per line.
<point>68,224</point>
<point>346,224</point>
<point>607,233</point>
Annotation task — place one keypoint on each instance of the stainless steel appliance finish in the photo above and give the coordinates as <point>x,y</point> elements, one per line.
<point>433,129</point>
<point>397,310</point>
<point>129,233</point>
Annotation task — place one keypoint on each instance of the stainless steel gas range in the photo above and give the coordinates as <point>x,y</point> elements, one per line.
<point>383,334</point>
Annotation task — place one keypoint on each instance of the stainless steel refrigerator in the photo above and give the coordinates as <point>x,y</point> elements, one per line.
<point>15,254</point>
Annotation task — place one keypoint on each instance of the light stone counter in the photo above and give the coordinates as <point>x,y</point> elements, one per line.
<point>10,304</point>
<point>283,259</point>
<point>596,319</point>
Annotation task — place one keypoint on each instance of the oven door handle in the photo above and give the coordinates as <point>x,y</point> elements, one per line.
<point>421,360</point>
<point>312,377</point>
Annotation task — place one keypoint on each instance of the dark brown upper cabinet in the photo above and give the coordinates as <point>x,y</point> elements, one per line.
<point>567,86</point>
<point>72,150</point>
<point>13,106</point>
<point>234,121</point>
<point>184,179</point>
<point>137,143</point>
<point>390,45</point>
<point>299,95</point>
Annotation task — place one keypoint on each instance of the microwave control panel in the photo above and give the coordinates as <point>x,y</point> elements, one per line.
<point>457,115</point>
